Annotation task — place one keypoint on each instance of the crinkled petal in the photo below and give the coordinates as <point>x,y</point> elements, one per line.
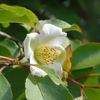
<point>51,35</point>
<point>30,43</point>
<point>37,71</point>
<point>57,67</point>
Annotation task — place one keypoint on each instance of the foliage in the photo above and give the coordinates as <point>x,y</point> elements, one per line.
<point>81,69</point>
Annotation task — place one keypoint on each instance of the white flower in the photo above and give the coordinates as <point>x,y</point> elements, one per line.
<point>45,49</point>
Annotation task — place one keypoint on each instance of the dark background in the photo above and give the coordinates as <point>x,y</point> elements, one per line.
<point>84,13</point>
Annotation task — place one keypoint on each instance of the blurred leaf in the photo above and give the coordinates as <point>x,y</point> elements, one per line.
<point>26,26</point>
<point>11,46</point>
<point>42,88</point>
<point>80,73</point>
<point>8,16</point>
<point>74,44</point>
<point>53,76</point>
<point>5,25</point>
<point>5,51</point>
<point>96,70</point>
<point>73,88</point>
<point>51,73</point>
<point>67,63</point>
<point>22,96</point>
<point>57,22</point>
<point>74,75</point>
<point>73,27</point>
<point>80,98</point>
<point>85,56</point>
<point>16,78</point>
<point>5,89</point>
<point>65,43</point>
<point>21,11</point>
<point>62,24</point>
<point>92,93</point>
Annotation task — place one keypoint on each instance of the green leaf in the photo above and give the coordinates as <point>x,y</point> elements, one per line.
<point>58,23</point>
<point>5,89</point>
<point>65,43</point>
<point>80,98</point>
<point>42,88</point>
<point>73,27</point>
<point>64,25</point>
<point>16,78</point>
<point>11,46</point>
<point>86,56</point>
<point>96,70</point>
<point>21,11</point>
<point>92,93</point>
<point>73,88</point>
<point>22,96</point>
<point>5,51</point>
<point>8,16</point>
<point>53,76</point>
<point>5,25</point>
<point>74,44</point>
<point>74,75</point>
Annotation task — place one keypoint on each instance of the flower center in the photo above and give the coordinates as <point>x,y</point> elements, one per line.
<point>46,55</point>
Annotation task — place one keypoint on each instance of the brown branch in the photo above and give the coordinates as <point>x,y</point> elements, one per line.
<point>82,85</point>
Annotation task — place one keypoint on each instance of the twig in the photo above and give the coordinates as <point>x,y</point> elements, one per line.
<point>82,85</point>
<point>26,68</point>
<point>13,39</point>
<point>83,77</point>
<point>6,58</point>
<point>30,65</point>
<point>1,69</point>
<point>82,93</point>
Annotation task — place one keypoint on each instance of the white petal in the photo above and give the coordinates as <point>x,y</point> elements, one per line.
<point>34,70</point>
<point>51,35</point>
<point>32,59</point>
<point>30,43</point>
<point>37,71</point>
<point>57,67</point>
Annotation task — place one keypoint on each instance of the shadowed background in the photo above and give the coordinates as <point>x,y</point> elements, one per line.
<point>84,13</point>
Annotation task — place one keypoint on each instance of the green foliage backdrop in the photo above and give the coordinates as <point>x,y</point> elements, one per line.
<point>84,13</point>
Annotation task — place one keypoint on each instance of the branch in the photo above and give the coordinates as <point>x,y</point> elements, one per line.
<point>83,77</point>
<point>81,93</point>
<point>6,58</point>
<point>1,69</point>
<point>82,85</point>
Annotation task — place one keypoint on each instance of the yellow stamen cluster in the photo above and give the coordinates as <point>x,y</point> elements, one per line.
<point>49,55</point>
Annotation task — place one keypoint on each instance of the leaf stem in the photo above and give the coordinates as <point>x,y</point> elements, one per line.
<point>82,85</point>
<point>82,93</point>
<point>1,69</point>
<point>4,61</point>
<point>26,68</point>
